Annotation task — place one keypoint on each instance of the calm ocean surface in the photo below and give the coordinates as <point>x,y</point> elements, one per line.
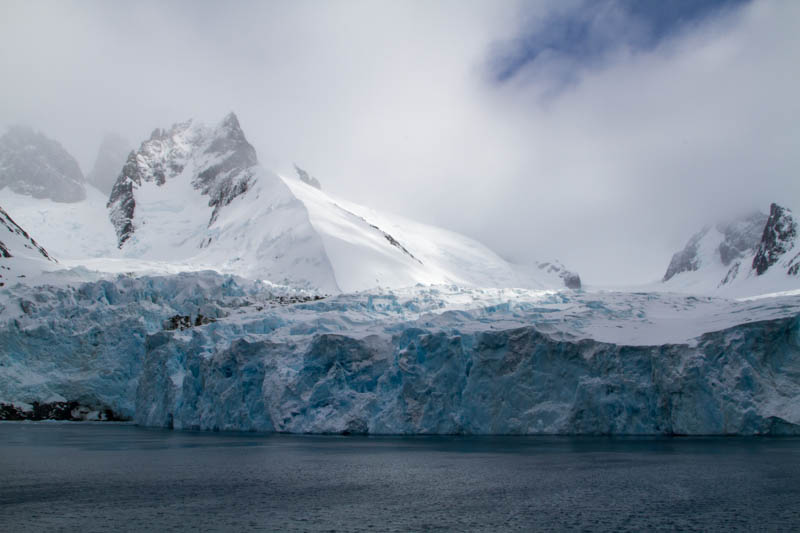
<point>116,477</point>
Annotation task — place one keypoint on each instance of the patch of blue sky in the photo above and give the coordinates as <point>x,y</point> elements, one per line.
<point>587,32</point>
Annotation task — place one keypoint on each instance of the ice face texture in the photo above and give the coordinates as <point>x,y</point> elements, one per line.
<point>423,360</point>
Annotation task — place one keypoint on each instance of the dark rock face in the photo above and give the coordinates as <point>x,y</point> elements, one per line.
<point>571,279</point>
<point>33,165</point>
<point>222,159</point>
<point>111,157</point>
<point>227,179</point>
<point>182,322</point>
<point>777,239</point>
<point>72,411</point>
<point>306,178</point>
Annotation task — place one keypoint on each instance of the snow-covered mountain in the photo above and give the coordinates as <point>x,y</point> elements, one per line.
<point>196,195</point>
<point>32,164</point>
<point>434,332</point>
<point>20,254</point>
<point>754,254</point>
<point>111,157</point>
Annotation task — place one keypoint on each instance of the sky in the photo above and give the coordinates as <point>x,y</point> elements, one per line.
<point>603,133</point>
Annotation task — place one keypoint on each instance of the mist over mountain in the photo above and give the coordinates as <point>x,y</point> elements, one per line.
<point>111,156</point>
<point>33,164</point>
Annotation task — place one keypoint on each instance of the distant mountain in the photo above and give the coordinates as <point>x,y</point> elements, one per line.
<point>111,157</point>
<point>20,254</point>
<point>34,165</point>
<point>307,178</point>
<point>757,251</point>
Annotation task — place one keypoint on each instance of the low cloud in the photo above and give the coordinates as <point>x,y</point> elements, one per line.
<point>394,105</point>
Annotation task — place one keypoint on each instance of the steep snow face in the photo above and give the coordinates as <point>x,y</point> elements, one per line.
<point>419,360</point>
<point>111,157</point>
<point>754,255</point>
<point>367,249</point>
<point>215,164</point>
<point>33,165</point>
<point>20,254</point>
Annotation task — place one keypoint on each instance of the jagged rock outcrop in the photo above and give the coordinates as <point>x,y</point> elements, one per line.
<point>739,254</point>
<point>777,239</point>
<point>307,178</point>
<point>727,243</point>
<point>34,165</point>
<point>686,260</point>
<point>219,160</point>
<point>111,157</point>
<point>571,279</point>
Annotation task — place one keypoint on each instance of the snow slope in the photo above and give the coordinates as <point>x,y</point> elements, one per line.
<point>371,249</point>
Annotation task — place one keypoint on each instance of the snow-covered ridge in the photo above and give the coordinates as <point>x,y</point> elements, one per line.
<point>20,254</point>
<point>32,164</point>
<point>752,255</point>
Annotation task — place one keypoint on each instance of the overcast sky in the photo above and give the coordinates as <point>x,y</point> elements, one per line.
<point>602,133</point>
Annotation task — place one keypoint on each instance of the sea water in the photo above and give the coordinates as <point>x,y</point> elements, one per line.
<point>119,477</point>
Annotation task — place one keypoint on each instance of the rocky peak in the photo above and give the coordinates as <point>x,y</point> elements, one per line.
<point>731,241</point>
<point>111,157</point>
<point>219,161</point>
<point>777,239</point>
<point>686,260</point>
<point>34,165</point>
<point>306,178</point>
<point>571,279</point>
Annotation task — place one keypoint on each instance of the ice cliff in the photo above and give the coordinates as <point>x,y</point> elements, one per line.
<point>422,360</point>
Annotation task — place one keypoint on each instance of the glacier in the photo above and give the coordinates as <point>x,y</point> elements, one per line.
<point>421,360</point>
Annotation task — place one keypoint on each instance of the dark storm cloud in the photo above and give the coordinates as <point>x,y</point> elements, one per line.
<point>397,105</point>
